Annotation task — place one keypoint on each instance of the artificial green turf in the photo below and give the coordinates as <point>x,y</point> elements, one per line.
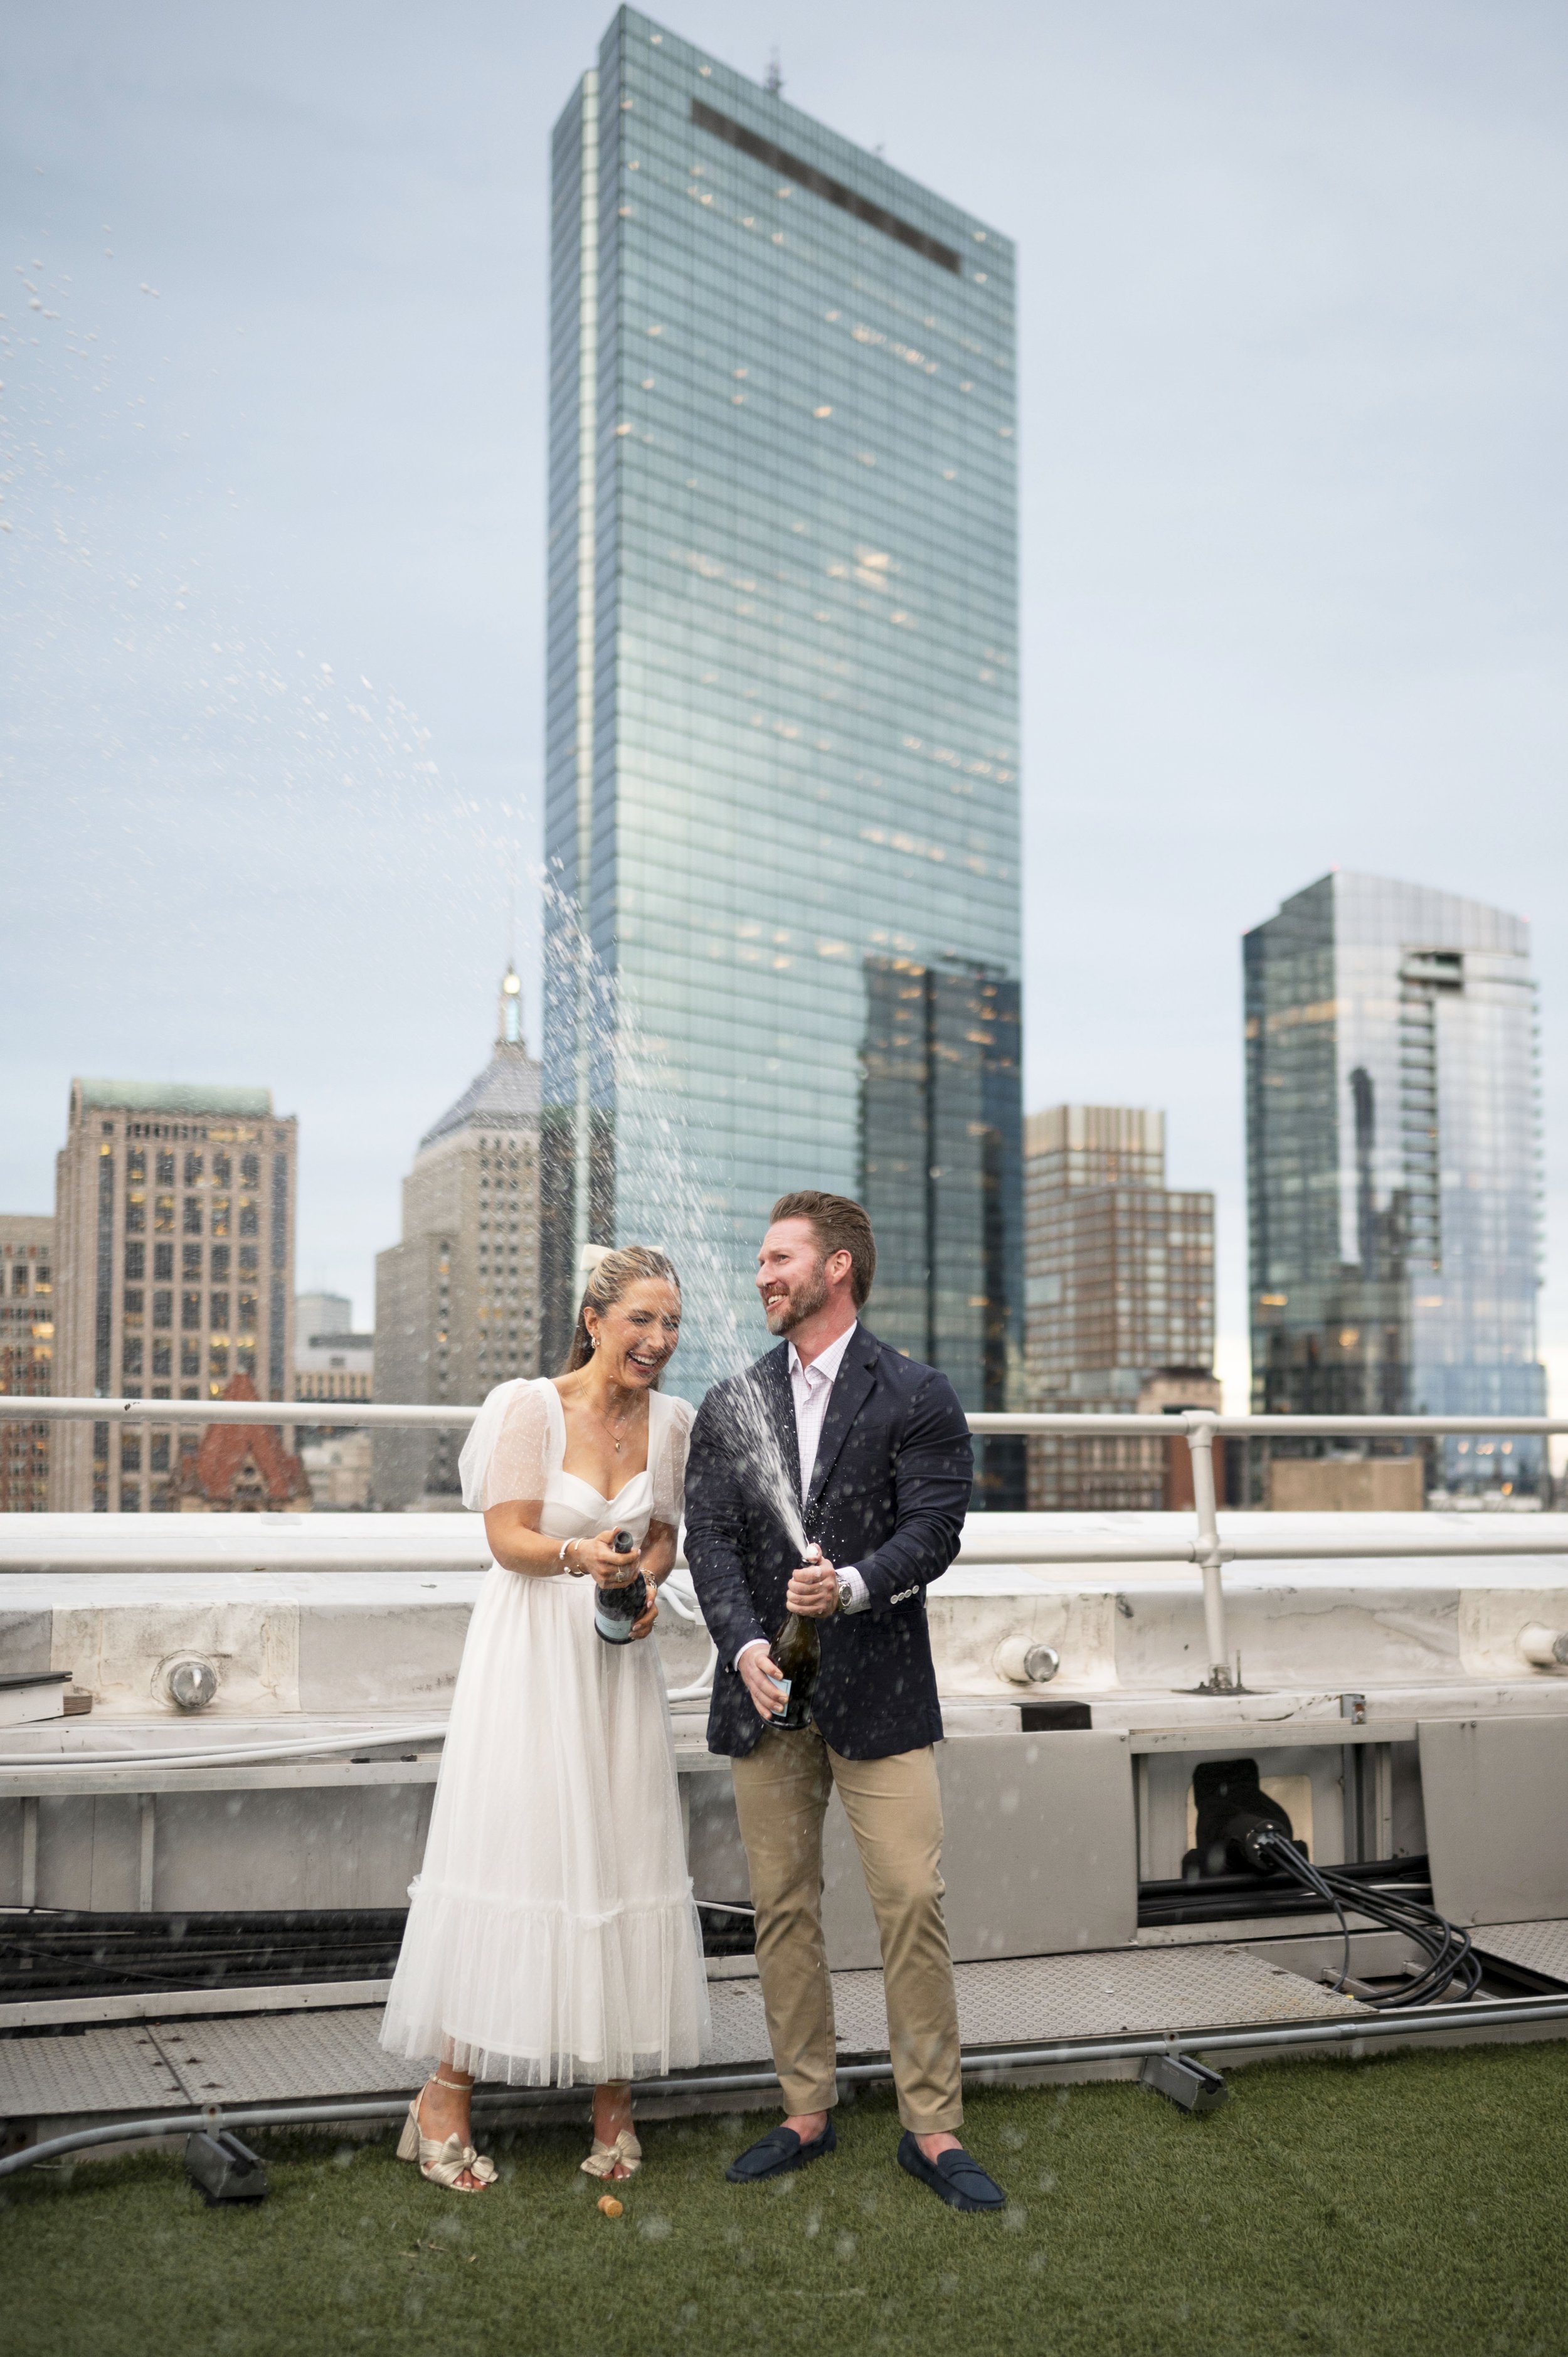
<point>1411,2204</point>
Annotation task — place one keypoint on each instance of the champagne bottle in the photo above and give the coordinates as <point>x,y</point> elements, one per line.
<point>798,1650</point>
<point>615,1608</point>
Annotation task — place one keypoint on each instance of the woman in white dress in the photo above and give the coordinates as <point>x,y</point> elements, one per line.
<point>551,1936</point>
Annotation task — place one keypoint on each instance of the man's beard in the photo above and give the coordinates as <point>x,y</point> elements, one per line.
<point>802,1302</point>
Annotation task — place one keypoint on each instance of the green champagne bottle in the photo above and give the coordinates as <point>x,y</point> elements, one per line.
<point>798,1650</point>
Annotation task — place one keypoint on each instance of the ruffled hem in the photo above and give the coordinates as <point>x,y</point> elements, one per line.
<point>537,1996</point>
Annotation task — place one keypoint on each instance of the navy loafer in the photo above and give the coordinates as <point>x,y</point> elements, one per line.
<point>953,2177</point>
<point>777,2153</point>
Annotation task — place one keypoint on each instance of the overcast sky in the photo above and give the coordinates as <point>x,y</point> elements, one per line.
<point>1293,343</point>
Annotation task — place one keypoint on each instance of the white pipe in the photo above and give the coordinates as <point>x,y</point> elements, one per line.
<point>349,1414</point>
<point>1201,1445</point>
<point>297,1747</point>
<point>143,1547</point>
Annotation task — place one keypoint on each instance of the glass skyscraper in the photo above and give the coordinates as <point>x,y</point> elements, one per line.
<point>1394,1164</point>
<point>783,935</point>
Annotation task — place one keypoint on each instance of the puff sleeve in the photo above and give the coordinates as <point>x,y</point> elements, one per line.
<point>509,1453</point>
<point>670,1463</point>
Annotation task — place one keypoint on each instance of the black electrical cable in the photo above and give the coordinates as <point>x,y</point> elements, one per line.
<point>1449,1948</point>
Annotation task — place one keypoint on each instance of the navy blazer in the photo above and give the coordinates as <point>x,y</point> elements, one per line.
<point>888,1494</point>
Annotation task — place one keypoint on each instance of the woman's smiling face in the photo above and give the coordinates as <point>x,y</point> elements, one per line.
<point>635,1338</point>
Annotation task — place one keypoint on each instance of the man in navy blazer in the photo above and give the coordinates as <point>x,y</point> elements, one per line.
<point>879,1448</point>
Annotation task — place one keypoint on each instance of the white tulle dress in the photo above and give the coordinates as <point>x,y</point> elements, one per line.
<point>551,1936</point>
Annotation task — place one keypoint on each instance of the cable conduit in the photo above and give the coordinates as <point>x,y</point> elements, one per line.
<point>1499,2015</point>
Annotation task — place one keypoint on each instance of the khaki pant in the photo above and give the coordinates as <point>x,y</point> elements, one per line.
<point>895,1810</point>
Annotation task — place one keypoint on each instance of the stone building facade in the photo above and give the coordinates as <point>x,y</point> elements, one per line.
<point>27,1355</point>
<point>458,1298</point>
<point>174,1239</point>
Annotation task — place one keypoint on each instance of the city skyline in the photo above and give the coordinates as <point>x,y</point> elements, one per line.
<point>1291,592</point>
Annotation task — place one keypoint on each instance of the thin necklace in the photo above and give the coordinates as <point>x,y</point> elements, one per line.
<point>609,1427</point>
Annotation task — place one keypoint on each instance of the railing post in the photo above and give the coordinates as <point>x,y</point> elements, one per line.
<point>1200,1441</point>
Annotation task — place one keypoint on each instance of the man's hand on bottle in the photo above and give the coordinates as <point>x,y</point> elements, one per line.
<point>813,1590</point>
<point>760,1675</point>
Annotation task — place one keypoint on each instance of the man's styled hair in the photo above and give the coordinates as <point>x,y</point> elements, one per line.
<point>841,1225</point>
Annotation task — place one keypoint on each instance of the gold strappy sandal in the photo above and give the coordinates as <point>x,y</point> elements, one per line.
<point>625,2153</point>
<point>443,2163</point>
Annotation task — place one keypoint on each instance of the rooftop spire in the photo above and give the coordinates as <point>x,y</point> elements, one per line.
<point>509,1027</point>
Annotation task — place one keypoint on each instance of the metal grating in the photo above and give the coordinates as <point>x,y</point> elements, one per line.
<point>275,2057</point>
<point>102,2070</point>
<point>1538,1947</point>
<point>1029,2000</point>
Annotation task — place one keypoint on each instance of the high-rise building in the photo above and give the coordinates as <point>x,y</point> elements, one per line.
<point>1393,1163</point>
<point>318,1314</point>
<point>175,1212</point>
<point>1119,1287</point>
<point>783,737</point>
<point>457,1299</point>
<point>27,1355</point>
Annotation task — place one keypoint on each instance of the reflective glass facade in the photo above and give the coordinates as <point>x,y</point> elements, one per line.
<point>1393,1163</point>
<point>782,761</point>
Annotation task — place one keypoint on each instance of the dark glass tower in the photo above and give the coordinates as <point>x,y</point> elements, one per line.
<point>1394,1164</point>
<point>783,801</point>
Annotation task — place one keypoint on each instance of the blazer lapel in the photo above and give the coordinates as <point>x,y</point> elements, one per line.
<point>852,1389</point>
<point>774,1371</point>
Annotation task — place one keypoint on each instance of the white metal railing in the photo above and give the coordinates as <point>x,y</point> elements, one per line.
<point>987,1538</point>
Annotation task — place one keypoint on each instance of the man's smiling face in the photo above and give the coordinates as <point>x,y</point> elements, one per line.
<point>790,1275</point>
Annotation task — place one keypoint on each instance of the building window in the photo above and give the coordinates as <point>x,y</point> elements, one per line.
<point>162,1262</point>
<point>136,1262</point>
<point>218,1362</point>
<point>220,1310</point>
<point>250,1170</point>
<point>219,1215</point>
<point>131,1358</point>
<point>136,1166</point>
<point>131,1452</point>
<point>193,1215</point>
<point>189,1311</point>
<point>219,1263</point>
<point>104,1302</point>
<point>249,1223</point>
<point>130,1497</point>
<point>162,1358</point>
<point>190,1358</point>
<point>248,1260</point>
<point>190,1264</point>
<point>247,1319</point>
<point>220,1170</point>
<point>158,1453</point>
<point>163,1309</point>
<point>164,1170</point>
<point>136,1213</point>
<point>163,1215</point>
<point>134,1301</point>
<point>193,1170</point>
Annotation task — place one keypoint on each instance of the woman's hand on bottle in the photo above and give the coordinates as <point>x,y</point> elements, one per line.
<point>643,1625</point>
<point>599,1558</point>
